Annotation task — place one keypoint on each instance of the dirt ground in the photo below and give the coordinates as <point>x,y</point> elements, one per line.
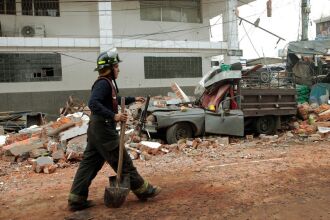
<point>261,181</point>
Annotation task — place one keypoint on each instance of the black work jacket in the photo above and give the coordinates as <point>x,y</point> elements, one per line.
<point>101,100</point>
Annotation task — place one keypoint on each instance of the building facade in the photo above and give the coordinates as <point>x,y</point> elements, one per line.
<point>323,28</point>
<point>48,49</point>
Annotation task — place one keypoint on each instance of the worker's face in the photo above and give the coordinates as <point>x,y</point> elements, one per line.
<point>116,71</point>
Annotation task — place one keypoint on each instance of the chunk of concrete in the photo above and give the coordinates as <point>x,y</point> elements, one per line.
<point>76,147</point>
<point>35,153</point>
<point>21,147</point>
<point>74,131</point>
<point>58,154</point>
<point>42,161</point>
<point>50,169</point>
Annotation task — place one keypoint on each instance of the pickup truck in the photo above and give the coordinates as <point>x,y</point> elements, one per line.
<point>230,102</point>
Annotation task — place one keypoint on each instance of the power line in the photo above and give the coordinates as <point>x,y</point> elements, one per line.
<point>250,41</point>
<point>78,58</point>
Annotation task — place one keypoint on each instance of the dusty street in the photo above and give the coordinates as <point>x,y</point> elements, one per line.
<point>258,181</point>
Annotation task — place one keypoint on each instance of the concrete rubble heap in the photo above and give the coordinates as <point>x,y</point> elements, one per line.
<point>60,143</point>
<point>315,119</point>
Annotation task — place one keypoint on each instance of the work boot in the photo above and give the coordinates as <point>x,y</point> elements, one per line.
<point>77,206</point>
<point>76,202</point>
<point>147,191</point>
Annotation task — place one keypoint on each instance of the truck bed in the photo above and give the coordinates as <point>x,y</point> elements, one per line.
<point>270,101</point>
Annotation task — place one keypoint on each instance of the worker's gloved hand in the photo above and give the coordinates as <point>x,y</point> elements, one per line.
<point>139,99</point>
<point>121,117</point>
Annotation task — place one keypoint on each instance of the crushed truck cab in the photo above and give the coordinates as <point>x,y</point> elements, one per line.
<point>230,102</point>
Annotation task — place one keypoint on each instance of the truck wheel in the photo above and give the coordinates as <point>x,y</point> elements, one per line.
<point>178,131</point>
<point>266,125</point>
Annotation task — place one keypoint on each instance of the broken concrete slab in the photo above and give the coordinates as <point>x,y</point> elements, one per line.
<point>74,131</point>
<point>35,153</point>
<point>58,154</point>
<point>56,131</point>
<point>21,147</point>
<point>40,163</point>
<point>151,144</point>
<point>53,145</point>
<point>76,147</point>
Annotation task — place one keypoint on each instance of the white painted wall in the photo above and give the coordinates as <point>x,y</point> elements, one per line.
<point>127,23</point>
<point>76,20</point>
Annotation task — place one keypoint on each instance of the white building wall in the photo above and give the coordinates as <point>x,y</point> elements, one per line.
<point>74,21</point>
<point>127,23</point>
<point>66,34</point>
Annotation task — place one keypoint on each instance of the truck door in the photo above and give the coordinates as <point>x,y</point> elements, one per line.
<point>230,123</point>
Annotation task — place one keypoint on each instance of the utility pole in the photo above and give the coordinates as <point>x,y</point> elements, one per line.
<point>305,10</point>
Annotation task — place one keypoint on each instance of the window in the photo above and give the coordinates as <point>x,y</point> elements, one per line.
<point>8,7</point>
<point>188,11</point>
<point>32,67</point>
<point>172,67</point>
<point>41,8</point>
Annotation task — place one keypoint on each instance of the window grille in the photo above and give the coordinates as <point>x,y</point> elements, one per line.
<point>188,11</point>
<point>41,8</point>
<point>30,67</point>
<point>8,7</point>
<point>172,67</point>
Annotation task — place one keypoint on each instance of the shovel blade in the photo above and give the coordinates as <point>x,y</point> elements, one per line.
<point>124,181</point>
<point>115,196</point>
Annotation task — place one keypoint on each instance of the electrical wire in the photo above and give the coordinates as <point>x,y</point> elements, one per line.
<point>250,41</point>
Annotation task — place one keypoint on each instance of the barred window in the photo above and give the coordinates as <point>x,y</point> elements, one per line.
<point>172,67</point>
<point>30,67</point>
<point>41,8</point>
<point>188,11</point>
<point>8,7</point>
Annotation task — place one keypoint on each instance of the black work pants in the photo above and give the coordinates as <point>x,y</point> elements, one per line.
<point>103,145</point>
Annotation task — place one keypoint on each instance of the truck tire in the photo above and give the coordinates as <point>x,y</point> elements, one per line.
<point>266,125</point>
<point>178,131</point>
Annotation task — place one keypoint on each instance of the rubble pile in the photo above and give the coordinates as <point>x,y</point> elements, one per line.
<point>315,119</point>
<point>49,146</point>
<point>58,144</point>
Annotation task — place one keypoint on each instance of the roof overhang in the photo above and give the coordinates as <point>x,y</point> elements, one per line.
<point>318,47</point>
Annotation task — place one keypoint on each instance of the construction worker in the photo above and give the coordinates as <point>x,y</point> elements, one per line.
<point>103,139</point>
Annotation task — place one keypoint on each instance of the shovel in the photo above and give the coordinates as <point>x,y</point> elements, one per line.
<point>115,194</point>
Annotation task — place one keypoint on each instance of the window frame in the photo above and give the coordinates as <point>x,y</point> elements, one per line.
<point>172,67</point>
<point>34,8</point>
<point>5,4</point>
<point>33,67</point>
<point>168,5</point>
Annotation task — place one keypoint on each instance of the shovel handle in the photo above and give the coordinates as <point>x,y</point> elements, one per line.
<point>121,143</point>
